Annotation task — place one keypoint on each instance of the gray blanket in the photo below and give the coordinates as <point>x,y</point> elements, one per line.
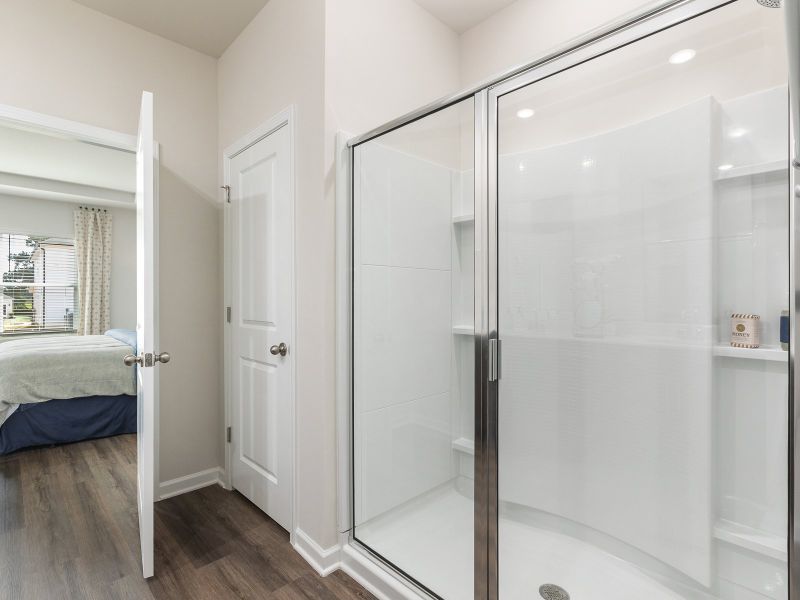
<point>41,368</point>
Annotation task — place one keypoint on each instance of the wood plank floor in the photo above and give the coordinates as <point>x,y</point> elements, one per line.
<point>68,529</point>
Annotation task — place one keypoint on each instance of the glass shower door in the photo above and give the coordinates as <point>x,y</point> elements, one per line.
<point>642,204</point>
<point>413,350</point>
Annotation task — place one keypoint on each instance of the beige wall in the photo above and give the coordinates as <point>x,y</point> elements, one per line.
<point>278,61</point>
<point>384,58</point>
<point>528,28</point>
<point>344,64</point>
<point>60,58</point>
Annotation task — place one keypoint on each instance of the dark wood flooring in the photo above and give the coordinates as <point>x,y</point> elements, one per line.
<point>68,529</point>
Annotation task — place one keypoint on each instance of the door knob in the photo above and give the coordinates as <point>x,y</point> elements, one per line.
<point>132,359</point>
<point>279,349</point>
<point>145,359</point>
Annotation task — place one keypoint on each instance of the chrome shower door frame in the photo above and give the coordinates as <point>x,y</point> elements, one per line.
<point>486,445</point>
<point>792,17</point>
<point>629,29</point>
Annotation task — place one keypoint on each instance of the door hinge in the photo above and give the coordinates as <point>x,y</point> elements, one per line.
<point>228,313</point>
<point>227,189</point>
<point>494,359</point>
<point>228,435</point>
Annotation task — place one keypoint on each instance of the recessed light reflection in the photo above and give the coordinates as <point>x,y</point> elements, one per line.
<point>525,113</point>
<point>725,167</point>
<point>521,165</point>
<point>682,56</point>
<point>587,163</point>
<point>737,132</point>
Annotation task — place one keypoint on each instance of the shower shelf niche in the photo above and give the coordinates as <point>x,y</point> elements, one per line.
<point>754,540</point>
<point>772,353</point>
<point>465,445</point>
<point>773,166</point>
<point>462,235</point>
<point>463,219</point>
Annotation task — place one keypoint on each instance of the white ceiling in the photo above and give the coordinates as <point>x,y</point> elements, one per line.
<point>208,26</point>
<point>461,15</point>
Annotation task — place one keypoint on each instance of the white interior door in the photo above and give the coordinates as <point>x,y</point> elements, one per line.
<point>262,305</point>
<point>146,236</point>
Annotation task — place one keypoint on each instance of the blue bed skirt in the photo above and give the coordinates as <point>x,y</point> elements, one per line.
<point>64,421</point>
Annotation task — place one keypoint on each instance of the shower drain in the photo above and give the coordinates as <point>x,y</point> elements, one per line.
<point>550,591</point>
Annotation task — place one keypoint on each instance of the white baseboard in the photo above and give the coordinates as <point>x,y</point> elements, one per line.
<point>366,572</point>
<point>189,483</point>
<point>375,579</point>
<point>324,560</point>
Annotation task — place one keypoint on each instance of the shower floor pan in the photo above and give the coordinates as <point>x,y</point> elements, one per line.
<point>431,539</point>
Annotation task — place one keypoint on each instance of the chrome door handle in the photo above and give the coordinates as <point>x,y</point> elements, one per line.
<point>145,359</point>
<point>279,349</point>
<point>132,359</point>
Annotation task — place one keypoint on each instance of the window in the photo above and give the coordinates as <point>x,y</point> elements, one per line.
<point>39,284</point>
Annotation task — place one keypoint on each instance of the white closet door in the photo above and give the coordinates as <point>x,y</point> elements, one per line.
<point>262,298</point>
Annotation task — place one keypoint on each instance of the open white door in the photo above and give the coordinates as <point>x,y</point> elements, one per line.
<point>146,377</point>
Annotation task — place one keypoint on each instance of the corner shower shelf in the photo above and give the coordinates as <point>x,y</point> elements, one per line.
<point>463,219</point>
<point>463,330</point>
<point>464,445</point>
<point>764,353</point>
<point>772,166</point>
<point>752,539</point>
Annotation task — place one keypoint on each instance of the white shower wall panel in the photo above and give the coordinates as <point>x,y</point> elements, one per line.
<point>406,450</point>
<point>753,128</point>
<point>405,210</point>
<point>405,346</point>
<point>606,316</point>
<point>403,328</point>
<point>752,419</point>
<point>579,220</point>
<point>610,448</point>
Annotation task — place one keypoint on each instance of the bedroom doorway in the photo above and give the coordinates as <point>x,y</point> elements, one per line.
<point>260,334</point>
<point>79,312</point>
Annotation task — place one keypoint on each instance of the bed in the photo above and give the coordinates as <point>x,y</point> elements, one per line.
<point>60,389</point>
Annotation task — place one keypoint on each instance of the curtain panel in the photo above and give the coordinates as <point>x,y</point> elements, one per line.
<point>93,257</point>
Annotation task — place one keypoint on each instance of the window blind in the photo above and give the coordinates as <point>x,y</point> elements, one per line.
<point>38,289</point>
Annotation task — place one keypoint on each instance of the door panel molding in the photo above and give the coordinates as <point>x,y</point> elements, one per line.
<point>284,118</point>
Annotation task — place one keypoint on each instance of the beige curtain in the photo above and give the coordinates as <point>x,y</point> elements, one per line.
<point>93,257</point>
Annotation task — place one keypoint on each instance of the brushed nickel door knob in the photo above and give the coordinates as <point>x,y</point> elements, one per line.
<point>132,359</point>
<point>162,358</point>
<point>279,349</point>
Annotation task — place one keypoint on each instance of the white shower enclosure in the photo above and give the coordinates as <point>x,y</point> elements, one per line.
<point>545,399</point>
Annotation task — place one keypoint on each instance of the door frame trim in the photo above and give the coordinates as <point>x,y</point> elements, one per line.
<point>284,118</point>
